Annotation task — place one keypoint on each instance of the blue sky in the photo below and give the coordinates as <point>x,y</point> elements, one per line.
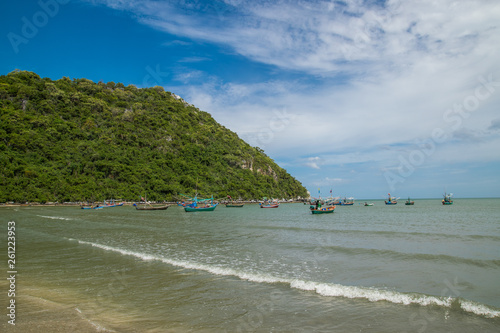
<point>362,97</point>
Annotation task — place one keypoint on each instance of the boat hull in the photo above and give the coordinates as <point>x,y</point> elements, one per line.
<point>234,206</point>
<point>391,203</point>
<point>327,210</point>
<point>97,207</point>
<point>269,206</point>
<point>115,205</point>
<point>152,208</point>
<point>199,209</point>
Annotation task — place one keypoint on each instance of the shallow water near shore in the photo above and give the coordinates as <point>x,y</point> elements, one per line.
<point>421,268</point>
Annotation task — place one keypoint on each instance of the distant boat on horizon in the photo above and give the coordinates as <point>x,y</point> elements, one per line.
<point>409,202</point>
<point>347,202</point>
<point>447,199</point>
<point>391,200</point>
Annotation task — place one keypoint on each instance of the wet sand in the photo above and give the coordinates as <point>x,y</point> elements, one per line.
<point>34,314</point>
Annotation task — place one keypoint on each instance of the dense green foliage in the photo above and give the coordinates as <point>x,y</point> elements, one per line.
<point>76,140</point>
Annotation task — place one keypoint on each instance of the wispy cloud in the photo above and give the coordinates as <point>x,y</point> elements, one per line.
<point>313,162</point>
<point>326,37</point>
<point>194,59</point>
<point>329,37</point>
<point>365,75</point>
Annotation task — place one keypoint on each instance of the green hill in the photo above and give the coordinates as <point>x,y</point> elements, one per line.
<point>75,140</point>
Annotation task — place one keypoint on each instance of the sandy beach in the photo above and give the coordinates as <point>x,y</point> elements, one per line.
<point>36,314</point>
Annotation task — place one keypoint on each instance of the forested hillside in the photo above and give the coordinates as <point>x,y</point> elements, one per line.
<point>76,140</point>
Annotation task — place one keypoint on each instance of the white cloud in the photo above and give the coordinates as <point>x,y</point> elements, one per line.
<point>313,162</point>
<point>325,37</point>
<point>383,76</point>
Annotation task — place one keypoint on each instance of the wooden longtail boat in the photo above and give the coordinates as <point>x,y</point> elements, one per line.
<point>235,205</point>
<point>267,203</point>
<point>269,206</point>
<point>105,205</point>
<point>152,207</point>
<point>148,206</point>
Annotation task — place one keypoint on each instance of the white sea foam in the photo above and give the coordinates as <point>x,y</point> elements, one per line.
<point>55,217</point>
<point>324,289</point>
<point>125,252</point>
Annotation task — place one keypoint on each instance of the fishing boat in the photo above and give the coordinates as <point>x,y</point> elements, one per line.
<point>207,208</point>
<point>409,202</point>
<point>113,205</point>
<point>148,206</point>
<point>109,204</point>
<point>92,207</point>
<point>323,210</point>
<point>233,204</point>
<point>336,201</point>
<point>200,205</point>
<point>269,203</point>
<point>369,204</point>
<point>152,207</point>
<point>391,200</point>
<point>447,199</point>
<point>347,202</point>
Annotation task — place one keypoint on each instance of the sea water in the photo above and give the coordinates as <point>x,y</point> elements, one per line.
<point>421,268</point>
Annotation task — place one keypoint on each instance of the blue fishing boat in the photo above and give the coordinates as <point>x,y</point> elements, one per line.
<point>323,210</point>
<point>391,200</point>
<point>447,199</point>
<point>199,205</point>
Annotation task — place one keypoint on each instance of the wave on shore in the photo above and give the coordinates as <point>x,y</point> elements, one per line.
<point>324,289</point>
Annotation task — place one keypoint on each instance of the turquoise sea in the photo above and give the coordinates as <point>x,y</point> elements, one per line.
<point>421,268</point>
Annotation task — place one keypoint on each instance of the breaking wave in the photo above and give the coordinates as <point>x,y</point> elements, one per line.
<point>55,217</point>
<point>324,289</point>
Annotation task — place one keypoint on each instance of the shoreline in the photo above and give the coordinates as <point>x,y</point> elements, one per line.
<point>125,203</point>
<point>58,310</point>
